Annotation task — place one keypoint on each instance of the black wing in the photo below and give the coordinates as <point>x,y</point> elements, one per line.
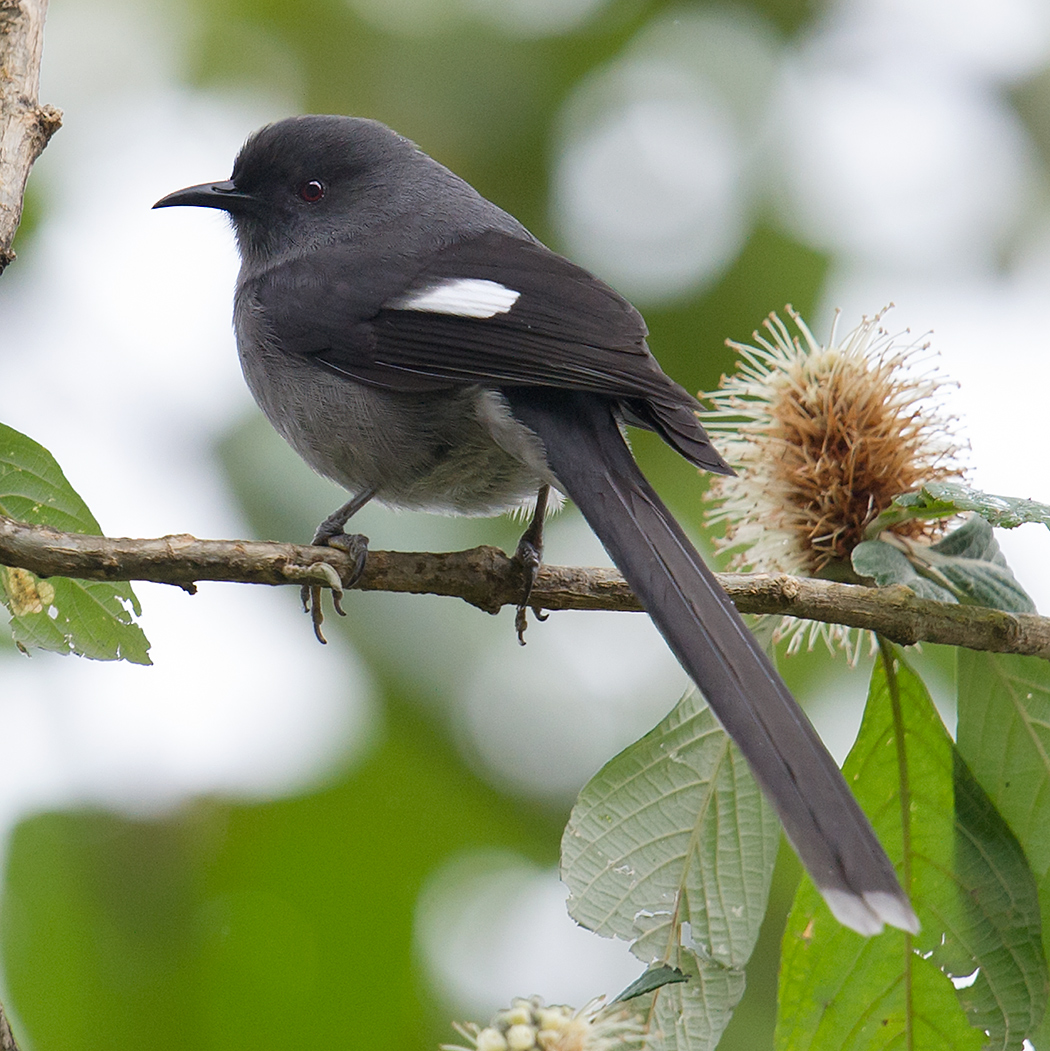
<point>566,329</point>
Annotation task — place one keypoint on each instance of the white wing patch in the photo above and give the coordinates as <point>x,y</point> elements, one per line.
<point>460,297</point>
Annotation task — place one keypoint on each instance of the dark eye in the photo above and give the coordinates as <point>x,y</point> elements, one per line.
<point>312,191</point>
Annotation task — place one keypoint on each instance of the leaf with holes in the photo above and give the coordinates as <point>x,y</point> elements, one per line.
<point>671,847</point>
<point>692,1015</point>
<point>946,499</point>
<point>90,618</point>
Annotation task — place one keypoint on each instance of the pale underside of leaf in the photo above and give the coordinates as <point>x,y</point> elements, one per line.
<point>670,847</point>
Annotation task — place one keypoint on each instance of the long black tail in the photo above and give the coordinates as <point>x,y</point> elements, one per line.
<point>828,830</point>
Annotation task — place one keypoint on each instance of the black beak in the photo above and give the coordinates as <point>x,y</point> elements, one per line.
<point>224,195</point>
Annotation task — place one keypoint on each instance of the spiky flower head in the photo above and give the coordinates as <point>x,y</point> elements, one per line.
<point>823,437</point>
<point>528,1025</point>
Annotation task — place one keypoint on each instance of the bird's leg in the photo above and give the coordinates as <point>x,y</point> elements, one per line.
<point>530,555</point>
<point>331,533</point>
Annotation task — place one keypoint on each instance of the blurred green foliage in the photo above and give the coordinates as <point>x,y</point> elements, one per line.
<point>226,924</point>
<point>31,209</point>
<point>243,926</point>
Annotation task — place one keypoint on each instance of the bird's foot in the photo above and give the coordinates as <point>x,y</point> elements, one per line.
<point>529,556</point>
<point>353,544</point>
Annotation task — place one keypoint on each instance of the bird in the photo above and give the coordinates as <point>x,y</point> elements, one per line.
<point>417,345</point>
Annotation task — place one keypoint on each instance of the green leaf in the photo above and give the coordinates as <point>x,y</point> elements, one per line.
<point>692,1016</point>
<point>964,566</point>
<point>970,558</point>
<point>982,583</point>
<point>89,618</point>
<point>974,539</point>
<point>1004,734</point>
<point>1007,512</point>
<point>655,977</point>
<point>945,499</point>
<point>671,847</point>
<point>906,508</point>
<point>998,940</point>
<point>34,489</point>
<point>887,565</point>
<point>969,882</point>
<point>840,991</point>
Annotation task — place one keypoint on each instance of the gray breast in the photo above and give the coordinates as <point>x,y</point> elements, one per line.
<point>453,451</point>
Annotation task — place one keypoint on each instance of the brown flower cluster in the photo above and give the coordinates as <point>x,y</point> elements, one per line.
<point>823,438</point>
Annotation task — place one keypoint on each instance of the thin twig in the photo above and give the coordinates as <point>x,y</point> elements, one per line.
<point>489,579</point>
<point>25,125</point>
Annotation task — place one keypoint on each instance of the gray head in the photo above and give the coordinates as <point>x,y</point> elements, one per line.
<point>308,181</point>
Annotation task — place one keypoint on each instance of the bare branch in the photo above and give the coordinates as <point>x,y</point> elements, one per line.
<point>25,125</point>
<point>489,579</point>
<point>25,128</point>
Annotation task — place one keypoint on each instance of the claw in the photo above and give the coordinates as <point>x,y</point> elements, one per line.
<point>310,594</point>
<point>530,556</point>
<point>330,534</point>
<point>316,613</point>
<point>356,546</point>
<point>521,622</point>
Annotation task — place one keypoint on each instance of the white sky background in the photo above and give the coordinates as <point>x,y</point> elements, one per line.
<point>886,137</point>
<point>130,383</point>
